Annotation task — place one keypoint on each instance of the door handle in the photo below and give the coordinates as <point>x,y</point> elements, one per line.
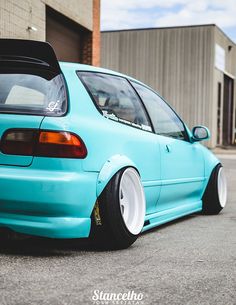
<point>168,148</point>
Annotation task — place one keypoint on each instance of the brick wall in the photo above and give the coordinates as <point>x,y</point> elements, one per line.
<point>87,56</point>
<point>96,33</point>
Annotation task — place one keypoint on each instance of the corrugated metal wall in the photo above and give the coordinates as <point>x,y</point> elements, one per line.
<point>177,62</point>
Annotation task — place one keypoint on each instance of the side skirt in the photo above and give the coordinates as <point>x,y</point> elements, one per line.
<point>162,217</point>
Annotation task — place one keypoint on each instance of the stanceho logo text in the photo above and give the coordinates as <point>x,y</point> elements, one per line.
<point>126,298</point>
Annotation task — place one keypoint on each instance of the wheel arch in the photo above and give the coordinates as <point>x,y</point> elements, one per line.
<point>110,168</point>
<point>210,163</point>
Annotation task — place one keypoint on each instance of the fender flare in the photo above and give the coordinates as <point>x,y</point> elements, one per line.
<point>110,168</point>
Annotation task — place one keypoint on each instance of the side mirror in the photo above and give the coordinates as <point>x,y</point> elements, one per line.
<point>200,133</point>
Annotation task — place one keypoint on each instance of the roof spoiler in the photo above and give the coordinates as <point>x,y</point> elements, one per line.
<point>29,51</point>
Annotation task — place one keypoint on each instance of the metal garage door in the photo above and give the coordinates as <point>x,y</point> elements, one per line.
<point>65,36</point>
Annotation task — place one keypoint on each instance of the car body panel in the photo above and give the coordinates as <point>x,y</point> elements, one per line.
<point>84,119</point>
<point>31,194</point>
<point>182,172</point>
<point>53,227</point>
<point>165,216</point>
<point>55,197</point>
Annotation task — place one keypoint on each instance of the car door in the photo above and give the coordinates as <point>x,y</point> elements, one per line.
<point>126,131</point>
<point>182,163</point>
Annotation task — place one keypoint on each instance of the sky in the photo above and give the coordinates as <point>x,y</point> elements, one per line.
<point>130,14</point>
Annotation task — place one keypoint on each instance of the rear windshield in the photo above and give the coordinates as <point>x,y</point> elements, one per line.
<point>32,92</point>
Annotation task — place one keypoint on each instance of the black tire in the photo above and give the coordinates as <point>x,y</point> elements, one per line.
<point>108,229</point>
<point>211,201</point>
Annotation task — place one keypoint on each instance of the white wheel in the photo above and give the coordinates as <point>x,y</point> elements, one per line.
<point>132,201</point>
<point>222,187</point>
<point>119,214</point>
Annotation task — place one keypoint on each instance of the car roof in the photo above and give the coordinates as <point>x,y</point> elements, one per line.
<point>89,68</point>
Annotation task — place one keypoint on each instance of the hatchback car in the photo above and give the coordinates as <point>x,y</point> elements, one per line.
<point>88,152</point>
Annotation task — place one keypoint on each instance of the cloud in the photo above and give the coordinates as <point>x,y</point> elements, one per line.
<point>201,12</point>
<point>128,13</point>
<point>124,14</point>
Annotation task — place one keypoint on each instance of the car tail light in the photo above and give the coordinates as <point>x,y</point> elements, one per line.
<point>18,142</point>
<point>44,143</point>
<point>60,145</point>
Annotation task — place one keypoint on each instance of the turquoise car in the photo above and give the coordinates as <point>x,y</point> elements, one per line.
<point>90,153</point>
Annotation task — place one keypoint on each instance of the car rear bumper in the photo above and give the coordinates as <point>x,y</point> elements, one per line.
<point>54,204</point>
<point>54,227</point>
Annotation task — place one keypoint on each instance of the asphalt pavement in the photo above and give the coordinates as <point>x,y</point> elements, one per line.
<point>188,261</point>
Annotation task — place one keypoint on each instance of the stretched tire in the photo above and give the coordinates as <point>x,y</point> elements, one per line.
<point>119,212</point>
<point>215,196</point>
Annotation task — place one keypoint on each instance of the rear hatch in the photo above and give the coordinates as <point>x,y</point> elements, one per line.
<point>31,87</point>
